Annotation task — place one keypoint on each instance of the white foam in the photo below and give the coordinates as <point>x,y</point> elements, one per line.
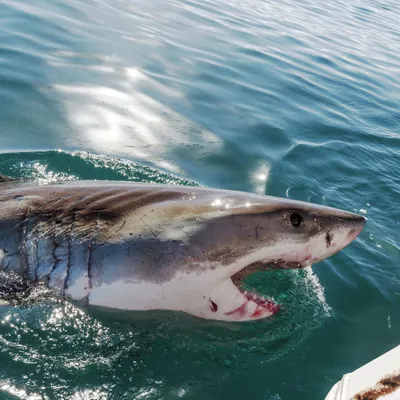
<point>317,288</point>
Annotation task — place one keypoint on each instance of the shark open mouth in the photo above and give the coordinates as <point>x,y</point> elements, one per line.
<point>264,304</point>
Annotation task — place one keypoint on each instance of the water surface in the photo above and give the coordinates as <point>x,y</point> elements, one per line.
<point>289,99</point>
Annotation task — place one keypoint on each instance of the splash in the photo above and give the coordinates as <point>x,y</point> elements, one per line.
<point>59,165</point>
<point>315,285</point>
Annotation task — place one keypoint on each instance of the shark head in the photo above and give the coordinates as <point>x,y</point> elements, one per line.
<point>197,245</point>
<point>271,234</point>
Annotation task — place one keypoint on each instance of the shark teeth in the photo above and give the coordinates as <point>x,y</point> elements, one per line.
<point>266,303</point>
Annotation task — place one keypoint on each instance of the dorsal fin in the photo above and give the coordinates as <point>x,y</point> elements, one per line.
<point>4,178</point>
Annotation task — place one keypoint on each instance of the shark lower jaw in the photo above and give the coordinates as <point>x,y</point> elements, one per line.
<point>264,306</point>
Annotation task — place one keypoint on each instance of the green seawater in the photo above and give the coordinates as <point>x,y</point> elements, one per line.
<point>292,99</point>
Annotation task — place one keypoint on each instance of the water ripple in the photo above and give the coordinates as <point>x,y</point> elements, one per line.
<point>293,99</point>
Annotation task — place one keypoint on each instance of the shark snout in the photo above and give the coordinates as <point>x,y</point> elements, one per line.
<point>351,224</point>
<point>357,225</point>
<point>342,230</point>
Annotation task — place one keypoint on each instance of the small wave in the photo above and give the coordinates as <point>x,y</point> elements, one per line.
<point>52,166</point>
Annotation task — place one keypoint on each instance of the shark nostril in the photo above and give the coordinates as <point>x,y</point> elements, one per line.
<point>328,239</point>
<point>213,306</point>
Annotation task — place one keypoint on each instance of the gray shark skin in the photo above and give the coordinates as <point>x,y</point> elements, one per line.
<point>144,246</point>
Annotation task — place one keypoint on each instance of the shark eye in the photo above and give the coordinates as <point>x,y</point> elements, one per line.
<point>295,219</point>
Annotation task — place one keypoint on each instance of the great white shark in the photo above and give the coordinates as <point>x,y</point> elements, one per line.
<point>136,246</point>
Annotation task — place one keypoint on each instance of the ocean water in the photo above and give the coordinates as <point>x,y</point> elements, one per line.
<point>292,99</point>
